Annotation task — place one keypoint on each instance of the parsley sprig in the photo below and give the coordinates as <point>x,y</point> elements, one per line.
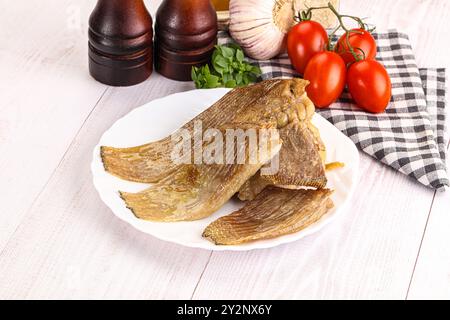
<point>229,69</point>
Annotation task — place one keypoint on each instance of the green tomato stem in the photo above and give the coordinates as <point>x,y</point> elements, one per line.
<point>307,15</point>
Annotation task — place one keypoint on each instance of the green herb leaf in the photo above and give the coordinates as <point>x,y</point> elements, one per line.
<point>221,61</point>
<point>227,52</point>
<point>256,70</point>
<point>229,69</point>
<point>252,77</point>
<point>206,70</point>
<point>226,77</point>
<point>231,84</point>
<point>239,78</point>
<point>212,81</point>
<point>240,55</point>
<point>194,73</point>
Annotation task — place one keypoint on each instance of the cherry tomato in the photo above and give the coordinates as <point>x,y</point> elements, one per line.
<point>326,73</point>
<point>358,38</point>
<point>304,40</point>
<point>370,85</point>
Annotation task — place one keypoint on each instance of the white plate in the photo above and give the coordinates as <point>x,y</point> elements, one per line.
<point>160,118</point>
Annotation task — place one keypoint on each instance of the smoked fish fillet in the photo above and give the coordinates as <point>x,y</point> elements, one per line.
<point>185,192</point>
<point>301,164</point>
<point>300,160</point>
<point>278,101</point>
<point>274,212</point>
<point>194,192</point>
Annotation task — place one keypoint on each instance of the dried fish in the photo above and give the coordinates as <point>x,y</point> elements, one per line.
<point>273,213</point>
<point>193,192</point>
<point>300,161</point>
<point>253,186</point>
<point>260,103</point>
<point>301,164</point>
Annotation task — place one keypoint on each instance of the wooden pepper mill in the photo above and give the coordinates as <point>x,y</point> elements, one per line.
<point>185,36</point>
<point>120,42</point>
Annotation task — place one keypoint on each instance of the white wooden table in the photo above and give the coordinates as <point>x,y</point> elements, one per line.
<point>58,240</point>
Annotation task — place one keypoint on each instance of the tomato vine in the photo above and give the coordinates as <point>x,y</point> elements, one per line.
<point>306,15</point>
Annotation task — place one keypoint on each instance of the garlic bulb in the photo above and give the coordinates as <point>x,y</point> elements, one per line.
<point>260,26</point>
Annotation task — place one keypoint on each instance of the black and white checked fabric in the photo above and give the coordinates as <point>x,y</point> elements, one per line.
<point>411,135</point>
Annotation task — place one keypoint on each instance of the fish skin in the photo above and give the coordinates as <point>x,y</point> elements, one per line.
<point>300,161</point>
<point>253,186</point>
<point>274,212</point>
<point>301,164</point>
<point>194,192</point>
<point>152,162</point>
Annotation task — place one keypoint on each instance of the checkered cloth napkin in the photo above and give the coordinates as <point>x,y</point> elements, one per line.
<point>410,136</point>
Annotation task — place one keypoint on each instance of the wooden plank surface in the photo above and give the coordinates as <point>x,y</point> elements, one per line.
<point>58,240</point>
<point>46,95</point>
<point>432,272</point>
<point>71,246</point>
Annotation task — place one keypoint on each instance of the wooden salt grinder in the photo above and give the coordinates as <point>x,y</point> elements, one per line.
<point>120,42</point>
<point>185,35</point>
